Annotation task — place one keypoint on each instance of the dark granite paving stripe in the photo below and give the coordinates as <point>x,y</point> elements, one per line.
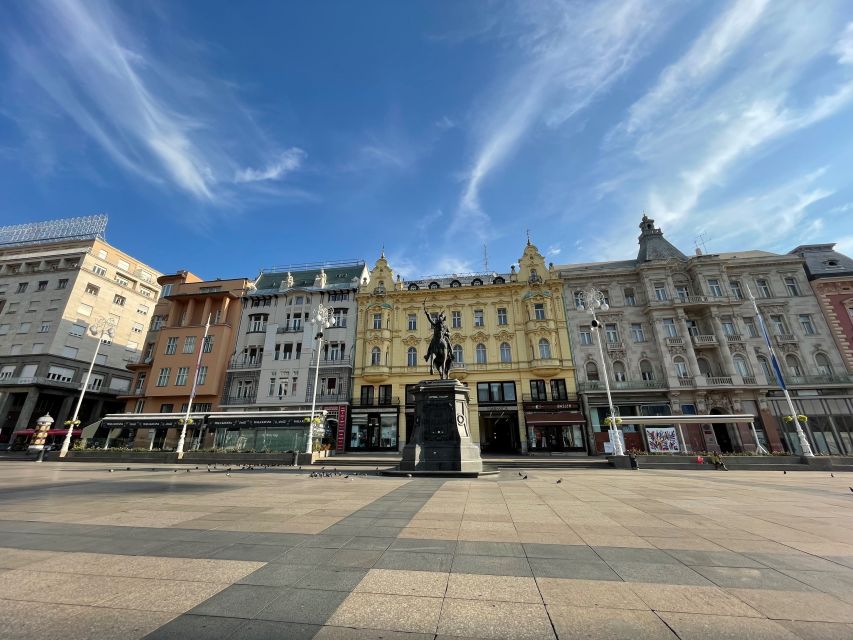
<point>297,592</point>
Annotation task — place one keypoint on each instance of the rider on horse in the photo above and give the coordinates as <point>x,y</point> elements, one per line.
<point>440,352</point>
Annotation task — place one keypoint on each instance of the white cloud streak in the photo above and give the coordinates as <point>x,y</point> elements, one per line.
<point>288,162</point>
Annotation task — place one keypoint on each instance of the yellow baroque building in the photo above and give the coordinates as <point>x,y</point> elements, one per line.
<point>510,345</point>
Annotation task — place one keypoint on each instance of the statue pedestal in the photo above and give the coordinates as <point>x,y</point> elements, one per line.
<point>441,441</point>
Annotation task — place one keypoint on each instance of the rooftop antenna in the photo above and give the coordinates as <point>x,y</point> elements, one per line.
<point>700,243</point>
<point>485,257</point>
<point>528,236</point>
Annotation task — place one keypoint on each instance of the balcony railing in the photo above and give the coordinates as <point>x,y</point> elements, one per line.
<point>621,385</point>
<point>837,378</point>
<point>719,381</point>
<point>734,337</point>
<point>750,380</point>
<point>674,341</point>
<point>686,382</point>
<point>705,340</point>
<point>385,401</point>
<point>544,397</point>
<point>785,338</point>
<point>346,361</point>
<point>250,399</point>
<point>290,329</point>
<point>19,380</point>
<point>246,363</point>
<point>614,345</point>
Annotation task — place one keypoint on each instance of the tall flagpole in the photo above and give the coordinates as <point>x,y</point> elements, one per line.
<point>186,419</point>
<point>777,370</point>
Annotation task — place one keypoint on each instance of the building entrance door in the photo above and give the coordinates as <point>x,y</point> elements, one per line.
<point>721,432</point>
<point>499,432</point>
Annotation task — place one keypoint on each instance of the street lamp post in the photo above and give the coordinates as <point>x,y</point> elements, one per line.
<point>186,420</point>
<point>98,330</point>
<point>322,319</point>
<point>593,299</point>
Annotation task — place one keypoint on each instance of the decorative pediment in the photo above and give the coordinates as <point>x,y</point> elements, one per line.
<point>379,305</point>
<point>457,338</point>
<point>479,336</point>
<point>503,336</point>
<point>411,341</point>
<point>536,291</point>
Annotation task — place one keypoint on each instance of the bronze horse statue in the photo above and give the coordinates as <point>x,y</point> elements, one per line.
<point>440,352</point>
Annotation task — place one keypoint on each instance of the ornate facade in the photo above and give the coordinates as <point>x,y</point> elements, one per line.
<point>510,347</point>
<point>681,336</point>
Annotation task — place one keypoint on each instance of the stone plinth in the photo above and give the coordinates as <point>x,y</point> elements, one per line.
<point>441,440</point>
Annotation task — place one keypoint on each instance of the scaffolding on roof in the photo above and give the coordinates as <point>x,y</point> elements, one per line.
<point>81,228</point>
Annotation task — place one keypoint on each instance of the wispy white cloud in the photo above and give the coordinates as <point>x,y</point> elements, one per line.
<point>289,161</point>
<point>86,58</point>
<point>554,250</point>
<point>571,54</point>
<point>844,47</point>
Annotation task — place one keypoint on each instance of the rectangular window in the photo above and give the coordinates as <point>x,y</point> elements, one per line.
<point>728,325</point>
<point>660,291</point>
<point>479,320</point>
<point>637,332</point>
<point>181,376</point>
<point>537,390</point>
<point>69,352</point>
<point>578,299</point>
<point>714,288</point>
<point>123,265</point>
<point>167,408</point>
<point>682,292</point>
<point>456,319</point>
<point>751,327</point>
<point>669,329</point>
<point>612,332</point>
<point>202,375</point>
<point>42,285</point>
<point>131,346</point>
<point>496,392</point>
<point>763,288</point>
<point>24,327</point>
<point>96,381</point>
<point>737,292</point>
<point>77,330</point>
<point>62,284</point>
<point>413,322</point>
<point>163,378</point>
<point>208,344</point>
<point>189,344</point>
<point>22,287</point>
<point>558,390</point>
<point>171,345</point>
<point>630,298</point>
<point>778,323</point>
<point>119,300</point>
<point>60,374</point>
<point>792,287</point>
<point>38,347</point>
<point>92,290</point>
<point>84,309</point>
<point>98,269</point>
<point>586,335</point>
<point>122,281</point>
<point>539,311</point>
<point>502,317</point>
<point>807,324</point>
<point>166,290</point>
<point>142,309</point>
<point>137,328</point>
<point>102,254</point>
<point>157,322</point>
<point>377,320</point>
<point>258,323</point>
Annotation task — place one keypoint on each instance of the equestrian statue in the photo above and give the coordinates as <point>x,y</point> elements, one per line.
<point>440,352</point>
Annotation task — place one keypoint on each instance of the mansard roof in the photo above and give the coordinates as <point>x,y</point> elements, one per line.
<point>653,246</point>
<point>823,261</point>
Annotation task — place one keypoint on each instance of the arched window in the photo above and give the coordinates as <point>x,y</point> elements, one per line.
<point>741,366</point>
<point>458,355</point>
<point>680,367</point>
<point>764,363</point>
<point>793,365</point>
<point>592,372</point>
<point>619,372</point>
<point>544,349</point>
<point>506,352</point>
<point>412,357</point>
<point>646,371</point>
<point>823,366</point>
<point>480,352</point>
<point>375,356</point>
<point>704,367</point>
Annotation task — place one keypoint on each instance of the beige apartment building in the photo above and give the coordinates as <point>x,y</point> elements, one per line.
<point>174,345</point>
<point>56,279</point>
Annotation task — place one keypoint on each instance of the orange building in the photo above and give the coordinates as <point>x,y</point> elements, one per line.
<point>164,374</point>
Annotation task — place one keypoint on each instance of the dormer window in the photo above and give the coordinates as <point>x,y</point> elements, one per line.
<point>831,263</point>
<point>476,282</point>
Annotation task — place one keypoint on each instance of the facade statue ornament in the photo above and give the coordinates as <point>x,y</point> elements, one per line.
<point>440,351</point>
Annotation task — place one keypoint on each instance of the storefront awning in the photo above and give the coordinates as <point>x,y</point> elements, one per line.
<point>51,432</point>
<point>557,417</point>
<point>146,420</point>
<point>269,421</point>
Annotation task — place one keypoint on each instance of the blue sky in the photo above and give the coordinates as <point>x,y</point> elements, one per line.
<point>224,137</point>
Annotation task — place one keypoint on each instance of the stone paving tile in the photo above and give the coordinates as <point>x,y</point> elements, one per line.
<point>424,546</point>
<point>796,561</point>
<point>491,565</point>
<point>690,599</point>
<point>269,630</point>
<point>18,558</point>
<point>787,605</point>
<point>838,584</point>
<point>589,593</point>
<point>561,568</point>
<point>705,627</point>
<point>818,630</point>
<point>392,612</point>
<point>346,633</point>
<point>678,574</point>
<point>255,552</point>
<point>415,561</point>
<point>197,627</point>
<point>369,543</point>
<point>582,623</point>
<point>304,606</point>
<point>749,578</point>
<point>490,549</point>
<point>238,601</point>
<point>404,583</point>
<point>356,558</point>
<point>499,588</point>
<point>277,575</point>
<point>580,553</point>
<point>332,579</point>
<point>498,620</point>
<point>176,596</point>
<point>713,558</point>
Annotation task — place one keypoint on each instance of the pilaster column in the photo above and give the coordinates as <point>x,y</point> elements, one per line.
<point>26,418</point>
<point>688,343</point>
<point>728,363</point>
<point>188,316</point>
<point>64,411</point>
<point>208,303</point>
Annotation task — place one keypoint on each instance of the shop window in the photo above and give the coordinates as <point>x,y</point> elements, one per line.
<point>558,390</point>
<point>537,390</point>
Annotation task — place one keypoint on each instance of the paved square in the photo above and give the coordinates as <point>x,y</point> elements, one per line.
<point>154,553</point>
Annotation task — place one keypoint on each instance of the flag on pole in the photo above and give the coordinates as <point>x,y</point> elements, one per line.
<point>774,361</point>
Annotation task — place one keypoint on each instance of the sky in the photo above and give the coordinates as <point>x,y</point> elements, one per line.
<point>225,137</point>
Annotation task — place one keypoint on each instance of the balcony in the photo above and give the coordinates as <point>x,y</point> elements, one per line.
<point>674,341</point>
<point>545,367</point>
<point>376,373</point>
<point>734,337</point>
<point>704,341</point>
<point>246,363</point>
<point>686,382</point>
<point>785,338</point>
<point>719,381</point>
<point>837,378</point>
<point>750,380</point>
<point>244,399</point>
<point>458,371</point>
<point>621,385</point>
<point>324,396</point>
<point>18,380</point>
<point>332,362</point>
<point>614,345</point>
<point>290,329</point>
<point>382,401</point>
